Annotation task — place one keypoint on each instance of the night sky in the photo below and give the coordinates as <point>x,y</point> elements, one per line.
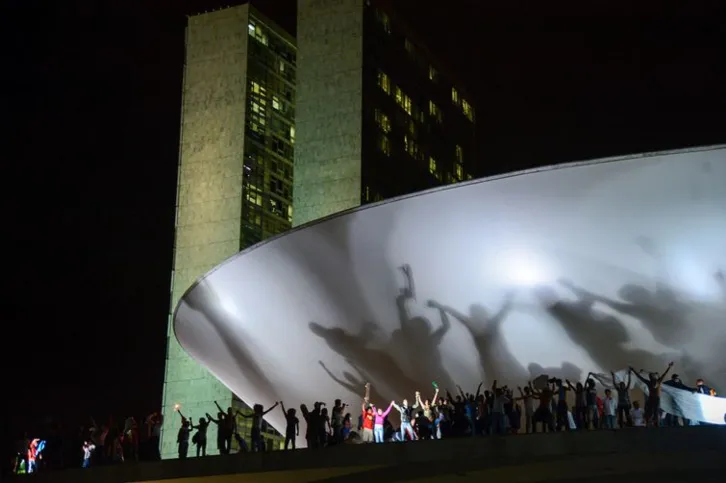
<point>92,113</point>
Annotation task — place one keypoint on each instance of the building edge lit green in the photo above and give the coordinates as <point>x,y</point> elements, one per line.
<point>234,178</point>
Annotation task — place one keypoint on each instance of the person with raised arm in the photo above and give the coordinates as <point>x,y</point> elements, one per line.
<point>623,408</point>
<point>258,414</point>
<point>543,413</point>
<point>221,437</point>
<point>406,415</point>
<point>580,403</point>
<point>292,425</point>
<point>182,437</point>
<point>652,404</point>
<point>380,417</point>
<point>229,428</point>
<point>527,398</point>
<point>498,413</point>
<point>368,415</point>
<point>428,409</point>
<point>200,437</point>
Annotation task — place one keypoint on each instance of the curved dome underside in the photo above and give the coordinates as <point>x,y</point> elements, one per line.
<point>586,267</point>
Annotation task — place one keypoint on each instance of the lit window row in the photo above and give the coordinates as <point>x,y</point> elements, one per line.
<point>383,121</point>
<point>258,89</point>
<point>403,100</point>
<point>465,106</point>
<point>384,82</point>
<point>384,144</point>
<point>435,112</point>
<point>257,32</point>
<point>410,146</point>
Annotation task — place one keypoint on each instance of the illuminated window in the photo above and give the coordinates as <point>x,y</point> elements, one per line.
<point>289,213</point>
<point>258,89</point>
<point>455,95</point>
<point>383,121</point>
<point>459,172</point>
<point>292,134</point>
<point>403,100</point>
<point>433,74</point>
<point>276,103</point>
<point>384,82</point>
<point>435,111</point>
<point>468,109</point>
<point>257,32</point>
<point>459,154</point>
<point>367,193</point>
<point>384,144</point>
<point>432,166</point>
<point>410,146</point>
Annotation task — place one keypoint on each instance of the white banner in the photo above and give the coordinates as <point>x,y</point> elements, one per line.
<point>678,402</point>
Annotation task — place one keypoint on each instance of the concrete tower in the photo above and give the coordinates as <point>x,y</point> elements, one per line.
<point>235,172</point>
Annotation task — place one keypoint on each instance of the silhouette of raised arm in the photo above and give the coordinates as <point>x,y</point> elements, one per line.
<point>438,334</point>
<point>215,421</point>
<point>270,408</point>
<point>499,317</point>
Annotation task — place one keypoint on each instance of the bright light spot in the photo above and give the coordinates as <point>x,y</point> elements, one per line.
<point>177,407</point>
<point>521,267</point>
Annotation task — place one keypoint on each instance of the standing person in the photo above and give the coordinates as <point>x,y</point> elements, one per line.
<point>527,399</point>
<point>258,414</point>
<point>610,406</point>
<point>368,416</point>
<point>652,403</point>
<point>623,410</point>
<point>337,420</point>
<point>380,417</point>
<point>182,439</point>
<point>88,448</point>
<point>406,427</point>
<point>200,437</point>
<point>222,426</point>
<point>292,425</point>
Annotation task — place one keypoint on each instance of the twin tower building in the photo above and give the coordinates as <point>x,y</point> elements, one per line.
<point>277,132</point>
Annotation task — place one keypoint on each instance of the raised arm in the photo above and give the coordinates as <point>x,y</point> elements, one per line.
<point>398,408</point>
<point>628,386</point>
<point>569,384</point>
<point>271,408</point>
<point>436,396</point>
<point>478,390</point>
<point>439,333</point>
<point>210,418</point>
<point>218,407</point>
<point>385,413</point>
<point>282,407</point>
<point>637,374</point>
<point>662,377</point>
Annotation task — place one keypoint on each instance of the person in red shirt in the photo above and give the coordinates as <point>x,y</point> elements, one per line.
<point>368,416</point>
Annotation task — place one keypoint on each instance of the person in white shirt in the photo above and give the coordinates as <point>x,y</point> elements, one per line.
<point>88,448</point>
<point>637,415</point>
<point>610,407</point>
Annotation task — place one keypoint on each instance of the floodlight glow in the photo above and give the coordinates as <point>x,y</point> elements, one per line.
<point>585,267</point>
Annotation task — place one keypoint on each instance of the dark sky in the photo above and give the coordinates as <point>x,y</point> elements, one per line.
<point>92,117</point>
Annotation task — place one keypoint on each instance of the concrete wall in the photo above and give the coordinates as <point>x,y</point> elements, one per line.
<point>327,171</point>
<point>209,192</point>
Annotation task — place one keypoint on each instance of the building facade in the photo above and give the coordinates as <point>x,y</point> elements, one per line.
<point>235,173</point>
<point>377,115</point>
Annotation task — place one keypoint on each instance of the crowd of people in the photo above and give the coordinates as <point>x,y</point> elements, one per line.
<point>544,404</point>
